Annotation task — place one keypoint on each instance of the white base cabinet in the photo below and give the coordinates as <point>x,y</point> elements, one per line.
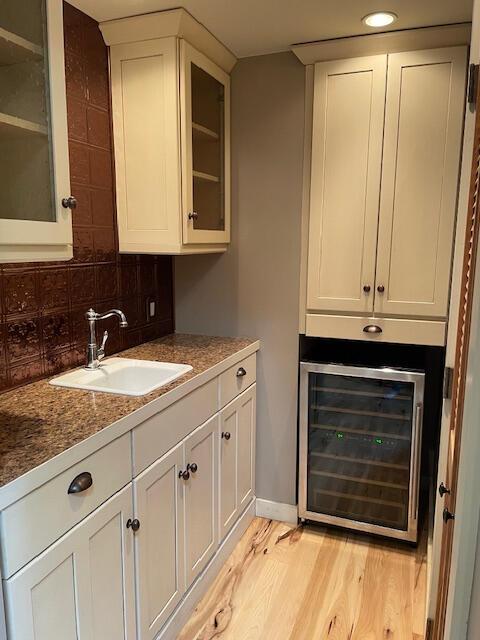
<point>236,458</point>
<point>201,532</point>
<point>80,588</point>
<point>159,543</point>
<point>132,567</point>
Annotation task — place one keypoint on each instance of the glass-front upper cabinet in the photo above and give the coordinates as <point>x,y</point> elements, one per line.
<point>34,223</point>
<point>205,94</point>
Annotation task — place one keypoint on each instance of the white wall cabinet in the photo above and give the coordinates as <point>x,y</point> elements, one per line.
<point>386,144</point>
<point>82,587</point>
<point>421,163</point>
<point>171,123</point>
<point>237,458</point>
<point>346,166</point>
<point>34,163</point>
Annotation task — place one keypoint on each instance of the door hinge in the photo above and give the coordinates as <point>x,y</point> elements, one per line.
<point>448,515</point>
<point>472,84</point>
<point>447,383</point>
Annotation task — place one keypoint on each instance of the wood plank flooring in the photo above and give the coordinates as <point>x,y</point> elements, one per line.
<point>284,583</point>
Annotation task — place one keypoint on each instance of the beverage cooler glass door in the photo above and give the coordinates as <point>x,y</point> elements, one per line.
<point>360,448</point>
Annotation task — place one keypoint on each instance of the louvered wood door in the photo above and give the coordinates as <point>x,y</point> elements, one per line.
<point>460,374</point>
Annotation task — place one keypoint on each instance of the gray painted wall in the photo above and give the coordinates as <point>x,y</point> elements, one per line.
<point>253,289</point>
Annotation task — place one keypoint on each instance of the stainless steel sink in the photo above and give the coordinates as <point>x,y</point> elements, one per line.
<point>123,376</point>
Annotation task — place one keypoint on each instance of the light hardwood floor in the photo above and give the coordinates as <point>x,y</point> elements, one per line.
<point>284,583</point>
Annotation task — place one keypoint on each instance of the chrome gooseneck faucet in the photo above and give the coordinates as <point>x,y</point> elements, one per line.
<point>95,353</point>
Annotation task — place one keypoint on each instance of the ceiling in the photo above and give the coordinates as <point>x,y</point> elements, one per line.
<point>253,27</point>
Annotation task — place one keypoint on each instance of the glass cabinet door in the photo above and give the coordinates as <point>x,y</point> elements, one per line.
<point>206,147</point>
<point>362,441</point>
<point>33,128</point>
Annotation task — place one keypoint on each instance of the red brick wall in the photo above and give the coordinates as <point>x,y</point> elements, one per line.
<point>42,306</point>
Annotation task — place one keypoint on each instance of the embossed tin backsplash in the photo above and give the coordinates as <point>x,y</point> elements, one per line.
<point>42,326</point>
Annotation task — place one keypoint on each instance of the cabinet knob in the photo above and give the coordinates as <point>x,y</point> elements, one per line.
<point>69,203</point>
<point>372,328</point>
<point>193,215</point>
<point>367,288</point>
<point>185,475</point>
<point>442,490</point>
<point>226,435</point>
<point>134,525</point>
<point>192,467</point>
<point>241,372</point>
<point>380,288</point>
<point>81,483</point>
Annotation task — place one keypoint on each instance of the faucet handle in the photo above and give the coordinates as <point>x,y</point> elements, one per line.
<point>101,349</point>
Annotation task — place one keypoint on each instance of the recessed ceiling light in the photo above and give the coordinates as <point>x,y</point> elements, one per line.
<point>380,19</point>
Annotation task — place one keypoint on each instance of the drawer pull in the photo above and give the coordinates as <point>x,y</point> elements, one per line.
<point>372,328</point>
<point>241,372</point>
<point>134,525</point>
<point>192,467</point>
<point>81,483</point>
<point>185,475</point>
<point>226,435</point>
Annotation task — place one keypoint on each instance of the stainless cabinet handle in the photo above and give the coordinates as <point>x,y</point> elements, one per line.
<point>372,328</point>
<point>81,483</point>
<point>417,448</point>
<point>241,372</point>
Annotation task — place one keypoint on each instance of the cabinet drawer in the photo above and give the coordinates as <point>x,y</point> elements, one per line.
<point>402,331</point>
<point>238,378</point>
<point>160,433</point>
<point>33,523</point>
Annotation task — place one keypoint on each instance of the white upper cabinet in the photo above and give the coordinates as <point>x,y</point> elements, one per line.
<point>349,98</point>
<point>421,160</point>
<point>34,164</point>
<point>171,125</point>
<point>386,144</point>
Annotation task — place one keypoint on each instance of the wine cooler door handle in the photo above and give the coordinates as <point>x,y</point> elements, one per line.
<point>417,449</point>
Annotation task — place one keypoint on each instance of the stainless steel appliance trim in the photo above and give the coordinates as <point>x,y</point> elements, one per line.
<point>383,373</point>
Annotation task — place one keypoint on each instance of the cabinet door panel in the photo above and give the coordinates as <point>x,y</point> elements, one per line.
<point>147,154</point>
<point>205,132</point>
<point>237,458</point>
<point>423,132</point>
<point>348,115</point>
<point>246,447</point>
<point>201,532</point>
<point>159,544</point>
<point>80,588</point>
<point>228,485</point>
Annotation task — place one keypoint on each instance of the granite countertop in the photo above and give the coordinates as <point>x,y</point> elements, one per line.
<point>40,421</point>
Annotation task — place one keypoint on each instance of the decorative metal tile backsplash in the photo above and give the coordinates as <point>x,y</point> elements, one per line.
<point>42,305</point>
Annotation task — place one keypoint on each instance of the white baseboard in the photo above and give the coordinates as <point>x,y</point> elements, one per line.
<point>182,613</point>
<point>277,511</point>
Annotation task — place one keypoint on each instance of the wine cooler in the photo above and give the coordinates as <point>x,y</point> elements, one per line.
<point>360,448</point>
